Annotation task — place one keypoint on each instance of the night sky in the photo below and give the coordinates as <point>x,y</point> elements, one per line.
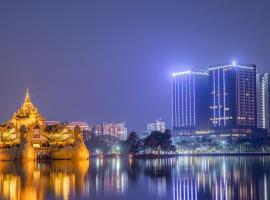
<point>112,60</point>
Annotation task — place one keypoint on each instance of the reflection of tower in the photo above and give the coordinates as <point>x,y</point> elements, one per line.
<point>110,179</point>
<point>80,169</point>
<point>9,181</point>
<point>67,178</point>
<point>29,180</point>
<point>158,186</point>
<point>185,188</point>
<point>117,181</point>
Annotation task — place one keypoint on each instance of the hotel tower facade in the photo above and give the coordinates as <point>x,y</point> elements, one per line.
<point>233,107</point>
<point>263,100</point>
<point>190,103</point>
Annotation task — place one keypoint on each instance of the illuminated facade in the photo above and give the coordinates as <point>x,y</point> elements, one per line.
<point>233,108</point>
<point>27,136</point>
<point>158,125</point>
<point>116,130</point>
<point>190,103</point>
<point>263,99</point>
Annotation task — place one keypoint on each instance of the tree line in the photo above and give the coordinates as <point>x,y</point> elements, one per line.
<point>155,142</point>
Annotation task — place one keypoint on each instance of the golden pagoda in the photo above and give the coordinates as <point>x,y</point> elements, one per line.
<point>28,115</point>
<point>27,136</point>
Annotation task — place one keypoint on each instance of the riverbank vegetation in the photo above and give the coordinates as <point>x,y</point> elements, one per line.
<point>161,143</point>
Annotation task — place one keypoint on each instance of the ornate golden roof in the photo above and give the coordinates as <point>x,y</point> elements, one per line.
<point>28,114</point>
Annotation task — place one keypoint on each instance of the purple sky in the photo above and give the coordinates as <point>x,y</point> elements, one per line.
<point>112,61</point>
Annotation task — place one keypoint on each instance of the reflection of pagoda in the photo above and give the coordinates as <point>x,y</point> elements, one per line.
<point>27,128</point>
<point>64,178</point>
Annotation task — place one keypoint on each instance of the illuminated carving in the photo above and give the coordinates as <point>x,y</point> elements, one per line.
<point>28,134</point>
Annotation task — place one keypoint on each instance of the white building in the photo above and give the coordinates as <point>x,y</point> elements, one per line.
<point>158,125</point>
<point>83,125</point>
<point>117,130</point>
<point>262,89</point>
<point>52,123</point>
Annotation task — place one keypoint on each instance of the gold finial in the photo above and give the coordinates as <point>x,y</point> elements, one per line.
<point>27,96</point>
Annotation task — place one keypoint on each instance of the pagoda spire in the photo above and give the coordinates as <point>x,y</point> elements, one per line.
<point>27,96</point>
<point>27,114</point>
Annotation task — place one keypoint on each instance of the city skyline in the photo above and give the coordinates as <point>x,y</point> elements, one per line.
<point>135,100</point>
<point>230,99</point>
<point>174,74</point>
<point>114,62</point>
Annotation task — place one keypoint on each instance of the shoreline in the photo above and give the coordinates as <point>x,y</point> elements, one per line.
<point>158,156</point>
<point>146,156</point>
<point>202,154</point>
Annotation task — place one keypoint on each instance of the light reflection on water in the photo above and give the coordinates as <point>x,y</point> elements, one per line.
<point>179,178</point>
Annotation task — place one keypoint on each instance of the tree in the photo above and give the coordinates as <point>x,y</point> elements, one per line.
<point>166,143</point>
<point>98,143</point>
<point>133,141</point>
<point>159,141</point>
<point>133,138</point>
<point>152,141</point>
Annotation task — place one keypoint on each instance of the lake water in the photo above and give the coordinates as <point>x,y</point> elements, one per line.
<point>178,178</point>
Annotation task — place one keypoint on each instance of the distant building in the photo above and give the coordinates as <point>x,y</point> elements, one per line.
<point>158,125</point>
<point>263,100</point>
<point>97,130</point>
<point>52,123</point>
<point>116,130</point>
<point>84,126</point>
<point>233,108</point>
<point>190,103</point>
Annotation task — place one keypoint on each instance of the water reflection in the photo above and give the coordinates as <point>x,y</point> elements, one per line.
<point>221,178</point>
<point>180,178</point>
<point>31,180</point>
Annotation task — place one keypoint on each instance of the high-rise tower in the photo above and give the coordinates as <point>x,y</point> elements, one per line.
<point>190,103</point>
<point>263,100</point>
<point>233,109</point>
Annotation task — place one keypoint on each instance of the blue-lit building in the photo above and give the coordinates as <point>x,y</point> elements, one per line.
<point>263,101</point>
<point>233,107</point>
<point>190,103</point>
